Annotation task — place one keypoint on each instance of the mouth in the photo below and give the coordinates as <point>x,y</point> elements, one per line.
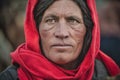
<point>62,45</point>
<point>61,48</point>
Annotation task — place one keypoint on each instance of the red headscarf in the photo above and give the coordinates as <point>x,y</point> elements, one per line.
<point>34,66</point>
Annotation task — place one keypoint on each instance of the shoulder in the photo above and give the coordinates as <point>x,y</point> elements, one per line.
<point>9,73</point>
<point>100,71</point>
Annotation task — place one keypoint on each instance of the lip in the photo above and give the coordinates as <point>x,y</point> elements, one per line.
<point>61,45</point>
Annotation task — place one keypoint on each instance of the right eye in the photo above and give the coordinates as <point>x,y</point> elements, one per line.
<point>51,21</point>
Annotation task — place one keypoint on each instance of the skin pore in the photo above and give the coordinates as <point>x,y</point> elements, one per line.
<point>62,33</point>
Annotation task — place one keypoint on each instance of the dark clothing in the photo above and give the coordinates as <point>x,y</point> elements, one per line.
<point>9,74</point>
<point>100,72</point>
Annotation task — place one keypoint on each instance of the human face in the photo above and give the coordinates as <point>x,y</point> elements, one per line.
<point>62,32</point>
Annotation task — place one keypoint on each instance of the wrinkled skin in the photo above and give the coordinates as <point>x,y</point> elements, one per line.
<point>62,32</point>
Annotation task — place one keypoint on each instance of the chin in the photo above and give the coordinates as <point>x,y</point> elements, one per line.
<point>60,61</point>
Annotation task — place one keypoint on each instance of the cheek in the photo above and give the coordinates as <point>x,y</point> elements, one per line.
<point>43,34</point>
<point>44,37</point>
<point>79,38</point>
<point>79,35</point>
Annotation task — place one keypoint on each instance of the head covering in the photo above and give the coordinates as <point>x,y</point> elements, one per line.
<point>34,66</point>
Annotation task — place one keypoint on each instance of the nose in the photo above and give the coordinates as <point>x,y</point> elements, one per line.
<point>61,31</point>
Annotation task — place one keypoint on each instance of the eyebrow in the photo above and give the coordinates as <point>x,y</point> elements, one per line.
<point>67,17</point>
<point>75,17</point>
<point>51,15</point>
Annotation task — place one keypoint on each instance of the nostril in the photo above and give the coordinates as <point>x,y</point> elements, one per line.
<point>66,36</point>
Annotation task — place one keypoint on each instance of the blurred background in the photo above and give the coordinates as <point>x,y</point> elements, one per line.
<point>12,15</point>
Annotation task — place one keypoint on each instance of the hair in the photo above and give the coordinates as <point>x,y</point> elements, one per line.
<point>42,6</point>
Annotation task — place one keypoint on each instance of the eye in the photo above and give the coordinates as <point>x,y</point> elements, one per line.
<point>50,20</point>
<point>72,21</point>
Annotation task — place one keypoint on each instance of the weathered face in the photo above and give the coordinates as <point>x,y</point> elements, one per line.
<point>62,32</point>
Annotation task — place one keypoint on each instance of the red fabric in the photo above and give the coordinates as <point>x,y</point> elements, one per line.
<point>34,66</point>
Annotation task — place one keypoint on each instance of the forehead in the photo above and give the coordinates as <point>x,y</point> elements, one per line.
<point>64,7</point>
